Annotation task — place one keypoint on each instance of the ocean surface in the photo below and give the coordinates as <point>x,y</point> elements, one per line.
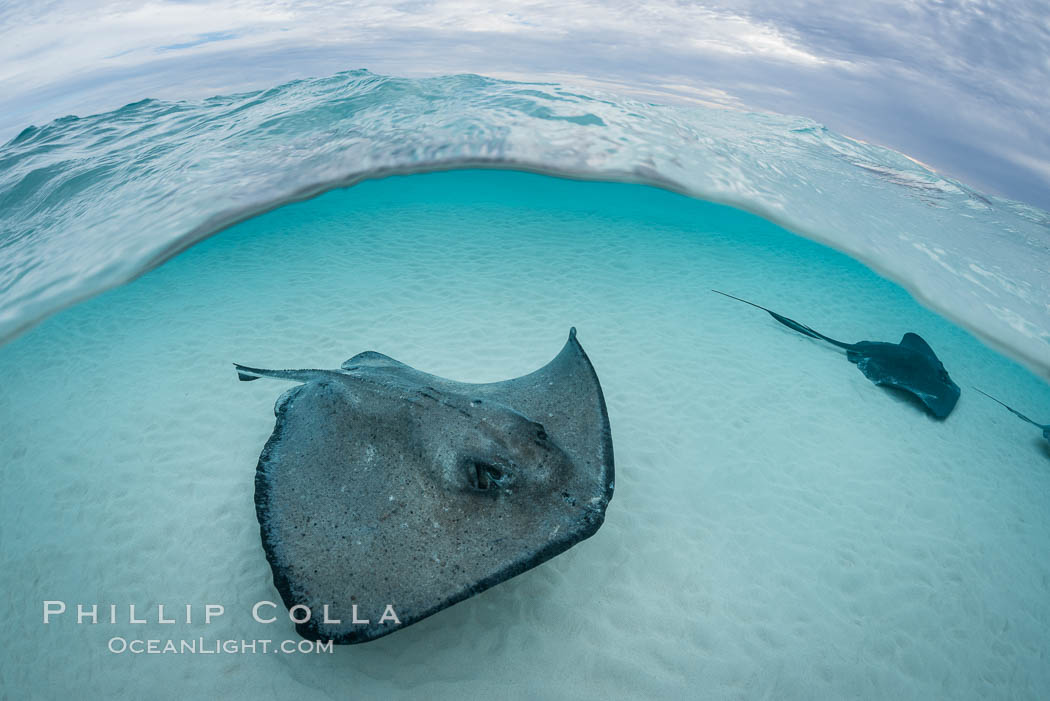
<point>781,528</point>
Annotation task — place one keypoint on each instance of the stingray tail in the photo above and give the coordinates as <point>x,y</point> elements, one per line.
<point>247,374</point>
<point>791,323</point>
<point>1015,412</point>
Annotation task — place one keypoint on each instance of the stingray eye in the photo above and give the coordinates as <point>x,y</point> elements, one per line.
<point>484,476</point>
<point>944,376</point>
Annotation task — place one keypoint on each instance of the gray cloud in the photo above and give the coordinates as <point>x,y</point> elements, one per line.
<point>962,86</point>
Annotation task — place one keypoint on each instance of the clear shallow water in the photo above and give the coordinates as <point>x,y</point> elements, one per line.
<point>88,203</point>
<point>781,527</point>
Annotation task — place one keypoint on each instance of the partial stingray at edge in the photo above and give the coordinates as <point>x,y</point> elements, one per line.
<point>1044,427</point>
<point>382,485</point>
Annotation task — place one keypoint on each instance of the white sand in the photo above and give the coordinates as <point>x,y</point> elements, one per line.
<point>781,528</point>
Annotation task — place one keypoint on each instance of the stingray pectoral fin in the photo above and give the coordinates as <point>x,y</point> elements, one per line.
<point>1013,411</point>
<point>917,343</point>
<point>566,398</point>
<point>790,323</point>
<point>247,374</point>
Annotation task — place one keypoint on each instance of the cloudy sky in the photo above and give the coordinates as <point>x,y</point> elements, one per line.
<point>962,86</point>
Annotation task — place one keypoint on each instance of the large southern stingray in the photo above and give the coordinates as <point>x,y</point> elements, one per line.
<point>1045,427</point>
<point>910,365</point>
<point>386,486</point>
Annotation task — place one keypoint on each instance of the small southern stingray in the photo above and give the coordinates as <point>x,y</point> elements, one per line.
<point>910,365</point>
<point>1045,427</point>
<point>385,486</point>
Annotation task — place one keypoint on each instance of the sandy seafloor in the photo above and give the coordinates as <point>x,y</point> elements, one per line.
<point>781,528</point>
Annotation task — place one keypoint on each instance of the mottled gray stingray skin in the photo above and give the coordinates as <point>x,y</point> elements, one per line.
<point>1045,427</point>
<point>910,365</point>
<point>384,485</point>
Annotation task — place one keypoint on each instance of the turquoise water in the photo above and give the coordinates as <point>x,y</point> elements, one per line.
<point>90,202</point>
<point>781,528</point>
